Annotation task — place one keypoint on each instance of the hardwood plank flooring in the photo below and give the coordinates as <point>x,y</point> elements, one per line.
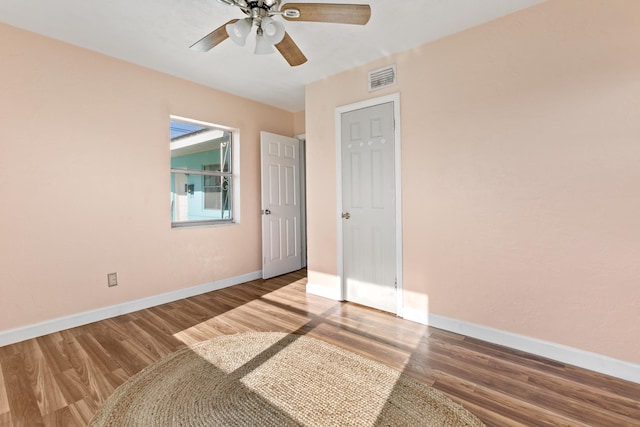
<point>62,379</point>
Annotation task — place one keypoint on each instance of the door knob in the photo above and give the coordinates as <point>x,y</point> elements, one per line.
<point>266,212</point>
<point>346,215</point>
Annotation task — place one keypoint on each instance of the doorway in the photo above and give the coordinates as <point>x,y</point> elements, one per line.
<point>369,243</point>
<point>282,220</point>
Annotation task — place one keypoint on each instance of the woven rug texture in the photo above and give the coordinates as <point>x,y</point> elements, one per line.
<point>275,379</point>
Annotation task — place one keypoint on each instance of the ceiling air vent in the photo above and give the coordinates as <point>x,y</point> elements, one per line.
<point>382,78</point>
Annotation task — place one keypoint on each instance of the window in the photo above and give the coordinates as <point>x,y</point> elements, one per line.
<point>202,177</point>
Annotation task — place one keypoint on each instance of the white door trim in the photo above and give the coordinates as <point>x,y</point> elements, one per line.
<point>395,98</point>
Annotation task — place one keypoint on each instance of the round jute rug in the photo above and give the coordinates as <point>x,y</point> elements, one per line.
<point>275,379</point>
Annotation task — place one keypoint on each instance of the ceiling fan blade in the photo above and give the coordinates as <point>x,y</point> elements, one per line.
<point>291,52</point>
<point>357,14</point>
<point>212,39</point>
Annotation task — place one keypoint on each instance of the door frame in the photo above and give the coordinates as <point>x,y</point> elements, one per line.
<point>395,99</point>
<point>302,139</point>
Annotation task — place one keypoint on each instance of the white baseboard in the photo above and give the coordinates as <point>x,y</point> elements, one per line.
<point>564,354</point>
<point>415,315</point>
<point>323,291</point>
<point>561,353</point>
<point>32,331</point>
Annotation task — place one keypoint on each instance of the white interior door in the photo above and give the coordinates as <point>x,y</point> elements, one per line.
<point>281,242</point>
<point>369,206</point>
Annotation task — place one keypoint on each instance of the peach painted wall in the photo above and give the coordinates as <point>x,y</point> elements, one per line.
<point>84,181</point>
<point>298,123</point>
<point>521,174</point>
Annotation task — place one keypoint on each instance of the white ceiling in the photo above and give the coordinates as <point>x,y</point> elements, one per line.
<point>157,34</point>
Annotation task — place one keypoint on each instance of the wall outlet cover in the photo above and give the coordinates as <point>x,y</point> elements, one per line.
<point>112,279</point>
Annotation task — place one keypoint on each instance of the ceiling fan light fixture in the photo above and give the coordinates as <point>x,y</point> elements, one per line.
<point>239,31</point>
<point>263,45</point>
<point>272,30</point>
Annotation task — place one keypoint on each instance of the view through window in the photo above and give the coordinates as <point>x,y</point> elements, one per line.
<point>201,173</point>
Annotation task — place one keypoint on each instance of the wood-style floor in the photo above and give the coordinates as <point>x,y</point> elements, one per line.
<point>62,379</point>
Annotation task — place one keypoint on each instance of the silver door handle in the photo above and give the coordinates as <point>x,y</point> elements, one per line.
<point>346,215</point>
<point>266,212</point>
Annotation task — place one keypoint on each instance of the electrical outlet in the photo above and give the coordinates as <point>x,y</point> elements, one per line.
<point>112,279</point>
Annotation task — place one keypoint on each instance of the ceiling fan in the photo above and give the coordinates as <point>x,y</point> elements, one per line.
<point>270,33</point>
